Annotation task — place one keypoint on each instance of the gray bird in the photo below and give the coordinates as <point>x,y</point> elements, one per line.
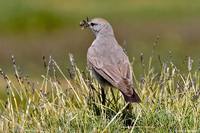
<point>107,59</point>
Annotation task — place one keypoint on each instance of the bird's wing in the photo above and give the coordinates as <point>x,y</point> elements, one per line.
<point>118,75</point>
<point>108,59</point>
<point>107,71</point>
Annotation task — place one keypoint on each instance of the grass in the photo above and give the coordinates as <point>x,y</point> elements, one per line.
<point>22,16</point>
<point>30,29</point>
<point>72,102</point>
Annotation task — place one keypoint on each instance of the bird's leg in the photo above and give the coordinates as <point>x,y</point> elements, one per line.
<point>128,116</point>
<point>129,107</point>
<point>103,96</point>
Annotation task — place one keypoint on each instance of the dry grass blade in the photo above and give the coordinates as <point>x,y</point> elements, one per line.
<point>170,100</point>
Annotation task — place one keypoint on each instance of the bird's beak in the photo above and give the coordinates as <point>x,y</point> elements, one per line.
<point>84,23</point>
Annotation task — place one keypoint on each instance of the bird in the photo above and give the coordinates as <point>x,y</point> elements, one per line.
<point>107,59</point>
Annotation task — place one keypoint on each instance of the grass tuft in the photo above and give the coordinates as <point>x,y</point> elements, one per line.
<point>72,102</point>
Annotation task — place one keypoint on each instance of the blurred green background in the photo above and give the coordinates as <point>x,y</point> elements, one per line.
<point>30,29</point>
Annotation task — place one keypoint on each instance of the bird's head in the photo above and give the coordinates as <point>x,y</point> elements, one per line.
<point>99,26</point>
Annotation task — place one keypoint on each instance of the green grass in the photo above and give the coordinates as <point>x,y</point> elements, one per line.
<point>30,29</point>
<point>22,16</point>
<point>72,103</point>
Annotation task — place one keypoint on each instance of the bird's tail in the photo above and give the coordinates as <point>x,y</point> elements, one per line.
<point>132,98</point>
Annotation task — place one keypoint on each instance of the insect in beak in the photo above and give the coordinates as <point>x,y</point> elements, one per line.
<point>84,23</point>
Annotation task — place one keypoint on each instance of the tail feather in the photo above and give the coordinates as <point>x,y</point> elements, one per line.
<point>132,98</point>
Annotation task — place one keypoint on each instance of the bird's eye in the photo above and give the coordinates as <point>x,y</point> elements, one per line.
<point>93,24</point>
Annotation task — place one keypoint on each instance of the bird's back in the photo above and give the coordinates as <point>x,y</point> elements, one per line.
<point>108,51</point>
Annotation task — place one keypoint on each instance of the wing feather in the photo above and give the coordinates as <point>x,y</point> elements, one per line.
<point>108,59</point>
